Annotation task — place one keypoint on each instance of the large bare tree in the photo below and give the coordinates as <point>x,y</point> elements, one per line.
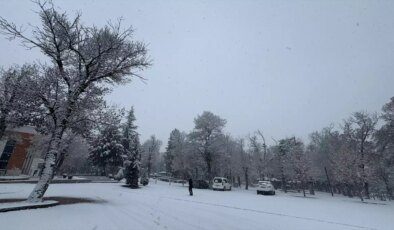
<point>150,154</point>
<point>364,128</point>
<point>84,62</point>
<point>207,138</point>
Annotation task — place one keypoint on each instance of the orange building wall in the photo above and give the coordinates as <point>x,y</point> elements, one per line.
<point>20,151</point>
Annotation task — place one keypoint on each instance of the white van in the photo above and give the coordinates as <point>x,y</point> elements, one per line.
<point>221,183</point>
<point>265,187</point>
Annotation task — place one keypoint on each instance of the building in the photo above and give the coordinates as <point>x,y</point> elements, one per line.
<point>16,155</point>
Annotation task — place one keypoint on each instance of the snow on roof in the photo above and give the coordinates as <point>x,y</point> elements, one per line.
<point>25,129</point>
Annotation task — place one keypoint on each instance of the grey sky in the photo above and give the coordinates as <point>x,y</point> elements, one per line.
<point>285,67</point>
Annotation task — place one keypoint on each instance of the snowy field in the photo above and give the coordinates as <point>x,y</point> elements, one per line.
<point>160,206</point>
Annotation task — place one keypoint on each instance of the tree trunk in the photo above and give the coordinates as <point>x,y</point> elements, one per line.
<point>209,171</point>
<point>311,188</point>
<point>196,173</point>
<point>246,179</point>
<point>329,182</point>
<point>389,190</point>
<point>366,189</point>
<point>46,176</point>
<point>49,168</point>
<point>344,189</point>
<point>149,164</point>
<point>239,181</point>
<point>349,191</point>
<point>103,170</point>
<point>284,188</point>
<point>360,194</point>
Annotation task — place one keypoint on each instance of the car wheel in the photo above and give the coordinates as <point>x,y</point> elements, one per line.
<point>258,193</point>
<point>229,189</point>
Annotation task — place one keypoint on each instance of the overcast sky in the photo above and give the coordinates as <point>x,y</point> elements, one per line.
<point>284,67</point>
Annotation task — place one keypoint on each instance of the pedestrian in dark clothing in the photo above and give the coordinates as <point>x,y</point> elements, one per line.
<point>191,187</point>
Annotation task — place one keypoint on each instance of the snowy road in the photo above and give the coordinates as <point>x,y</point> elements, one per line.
<point>160,206</point>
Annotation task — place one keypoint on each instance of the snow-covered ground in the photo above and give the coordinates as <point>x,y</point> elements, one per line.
<point>160,206</point>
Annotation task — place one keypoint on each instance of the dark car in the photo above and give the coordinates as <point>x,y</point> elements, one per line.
<point>201,184</point>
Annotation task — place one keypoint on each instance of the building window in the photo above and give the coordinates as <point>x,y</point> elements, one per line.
<point>5,156</point>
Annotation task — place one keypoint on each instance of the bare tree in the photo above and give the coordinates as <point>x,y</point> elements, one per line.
<point>85,61</point>
<point>207,137</point>
<point>258,149</point>
<point>282,150</point>
<point>77,154</point>
<point>255,149</point>
<point>384,138</point>
<point>322,147</point>
<point>364,128</point>
<point>301,164</point>
<point>183,159</point>
<point>352,163</point>
<point>150,153</point>
<point>245,162</point>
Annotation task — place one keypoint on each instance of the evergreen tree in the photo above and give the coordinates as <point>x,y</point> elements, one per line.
<point>107,150</point>
<point>131,145</point>
<point>172,147</point>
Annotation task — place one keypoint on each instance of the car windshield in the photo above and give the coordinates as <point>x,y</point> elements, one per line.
<point>264,183</point>
<point>217,180</point>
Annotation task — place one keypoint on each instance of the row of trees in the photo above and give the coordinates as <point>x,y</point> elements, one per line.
<point>117,146</point>
<point>355,159</point>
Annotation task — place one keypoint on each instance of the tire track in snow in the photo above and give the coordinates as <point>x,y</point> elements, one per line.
<point>179,220</point>
<point>273,213</point>
<point>136,216</point>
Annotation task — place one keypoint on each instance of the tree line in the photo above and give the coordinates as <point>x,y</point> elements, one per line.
<point>354,159</point>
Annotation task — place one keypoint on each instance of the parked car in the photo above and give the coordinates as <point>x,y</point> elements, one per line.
<point>221,183</point>
<point>201,184</point>
<point>179,181</point>
<point>265,187</point>
<point>164,178</point>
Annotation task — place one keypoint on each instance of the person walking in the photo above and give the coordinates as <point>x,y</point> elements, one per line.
<point>191,187</point>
